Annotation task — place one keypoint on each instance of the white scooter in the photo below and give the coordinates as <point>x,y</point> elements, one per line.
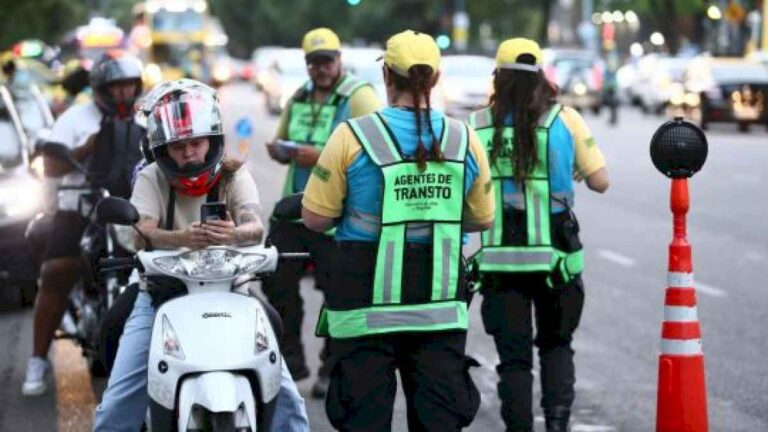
<point>214,362</point>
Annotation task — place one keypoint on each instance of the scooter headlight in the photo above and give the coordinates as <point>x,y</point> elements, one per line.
<point>209,264</point>
<point>171,345</point>
<point>262,340</point>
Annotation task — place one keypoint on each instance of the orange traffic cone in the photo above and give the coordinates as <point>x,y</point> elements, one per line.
<point>682,394</point>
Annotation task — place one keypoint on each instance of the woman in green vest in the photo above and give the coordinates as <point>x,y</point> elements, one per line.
<point>532,254</point>
<point>401,186</point>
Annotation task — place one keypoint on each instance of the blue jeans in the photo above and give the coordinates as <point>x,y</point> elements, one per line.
<point>124,403</point>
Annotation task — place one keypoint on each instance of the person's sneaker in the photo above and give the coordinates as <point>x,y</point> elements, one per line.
<point>34,383</point>
<point>320,388</point>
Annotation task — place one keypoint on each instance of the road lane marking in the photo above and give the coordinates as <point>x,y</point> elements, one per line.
<point>616,258</point>
<point>75,401</point>
<point>579,427</point>
<point>709,290</point>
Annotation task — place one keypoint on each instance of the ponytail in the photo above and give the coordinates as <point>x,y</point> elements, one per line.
<point>527,95</point>
<point>419,85</point>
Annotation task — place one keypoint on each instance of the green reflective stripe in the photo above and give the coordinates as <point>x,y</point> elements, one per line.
<point>519,259</point>
<point>550,116</point>
<point>375,139</point>
<point>446,252</point>
<point>398,318</point>
<point>492,237</point>
<point>387,284</point>
<point>537,212</point>
<point>454,136</point>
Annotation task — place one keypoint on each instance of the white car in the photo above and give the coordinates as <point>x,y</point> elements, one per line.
<point>466,83</point>
<point>286,73</point>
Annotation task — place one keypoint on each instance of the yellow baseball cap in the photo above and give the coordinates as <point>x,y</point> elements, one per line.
<point>320,42</point>
<point>510,51</point>
<point>410,48</point>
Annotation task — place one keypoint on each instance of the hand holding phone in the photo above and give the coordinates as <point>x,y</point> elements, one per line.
<point>213,211</point>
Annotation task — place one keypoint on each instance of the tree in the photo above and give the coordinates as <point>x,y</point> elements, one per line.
<point>41,19</point>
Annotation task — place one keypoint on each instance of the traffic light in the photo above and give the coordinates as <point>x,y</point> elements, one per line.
<point>353,2</point>
<point>443,41</point>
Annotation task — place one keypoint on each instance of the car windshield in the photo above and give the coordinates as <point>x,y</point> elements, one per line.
<point>743,72</point>
<point>185,21</point>
<point>10,142</point>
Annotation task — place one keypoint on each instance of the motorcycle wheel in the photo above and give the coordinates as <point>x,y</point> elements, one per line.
<point>223,422</point>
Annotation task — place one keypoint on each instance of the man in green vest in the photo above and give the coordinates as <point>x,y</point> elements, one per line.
<point>313,112</point>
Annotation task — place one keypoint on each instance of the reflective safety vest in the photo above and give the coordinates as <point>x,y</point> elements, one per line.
<point>312,123</point>
<point>537,253</point>
<point>434,196</point>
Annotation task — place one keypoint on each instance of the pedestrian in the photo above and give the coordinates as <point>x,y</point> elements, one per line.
<point>401,186</point>
<point>532,255</point>
<point>327,99</point>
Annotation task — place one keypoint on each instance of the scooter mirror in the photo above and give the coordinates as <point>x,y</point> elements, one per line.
<point>288,208</point>
<point>116,211</point>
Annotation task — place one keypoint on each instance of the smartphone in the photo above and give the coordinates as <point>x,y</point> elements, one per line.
<point>213,211</point>
<point>285,149</point>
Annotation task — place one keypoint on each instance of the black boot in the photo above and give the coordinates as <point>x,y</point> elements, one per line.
<point>556,419</point>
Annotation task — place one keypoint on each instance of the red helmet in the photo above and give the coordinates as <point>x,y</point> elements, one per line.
<point>180,111</point>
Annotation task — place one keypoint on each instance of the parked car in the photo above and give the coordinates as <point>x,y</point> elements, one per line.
<point>728,90</point>
<point>283,77</point>
<point>578,75</point>
<point>21,198</point>
<point>466,83</point>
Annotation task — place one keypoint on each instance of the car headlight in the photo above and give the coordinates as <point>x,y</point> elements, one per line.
<point>171,345</point>
<point>209,264</point>
<point>580,89</point>
<point>222,73</point>
<point>19,197</point>
<point>262,340</point>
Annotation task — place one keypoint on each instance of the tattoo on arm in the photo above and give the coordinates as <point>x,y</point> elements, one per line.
<point>249,228</point>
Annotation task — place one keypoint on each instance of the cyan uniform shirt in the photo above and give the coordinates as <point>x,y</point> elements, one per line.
<point>365,181</point>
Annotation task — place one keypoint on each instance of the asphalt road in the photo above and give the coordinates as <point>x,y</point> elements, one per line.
<point>625,231</point>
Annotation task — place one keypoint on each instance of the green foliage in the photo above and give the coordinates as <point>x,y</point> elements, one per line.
<point>42,19</point>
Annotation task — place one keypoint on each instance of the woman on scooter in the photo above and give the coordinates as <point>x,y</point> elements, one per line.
<point>187,142</point>
<point>405,183</point>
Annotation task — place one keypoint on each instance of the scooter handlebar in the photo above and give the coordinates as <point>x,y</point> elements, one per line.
<point>116,262</point>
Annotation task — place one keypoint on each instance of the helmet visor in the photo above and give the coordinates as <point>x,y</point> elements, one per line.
<point>183,115</point>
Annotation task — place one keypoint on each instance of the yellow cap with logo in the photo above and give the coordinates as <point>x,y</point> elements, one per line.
<point>410,48</point>
<point>320,42</point>
<point>509,52</point>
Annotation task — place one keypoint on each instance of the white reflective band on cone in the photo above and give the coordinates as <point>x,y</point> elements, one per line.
<point>681,346</point>
<point>680,313</point>
<point>680,280</point>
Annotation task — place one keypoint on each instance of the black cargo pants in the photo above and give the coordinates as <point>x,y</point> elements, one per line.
<point>282,290</point>
<point>507,316</point>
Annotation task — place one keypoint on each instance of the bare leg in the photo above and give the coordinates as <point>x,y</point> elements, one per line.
<point>58,277</point>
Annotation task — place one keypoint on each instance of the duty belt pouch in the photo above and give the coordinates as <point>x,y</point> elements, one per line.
<point>567,240</point>
<point>164,288</point>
